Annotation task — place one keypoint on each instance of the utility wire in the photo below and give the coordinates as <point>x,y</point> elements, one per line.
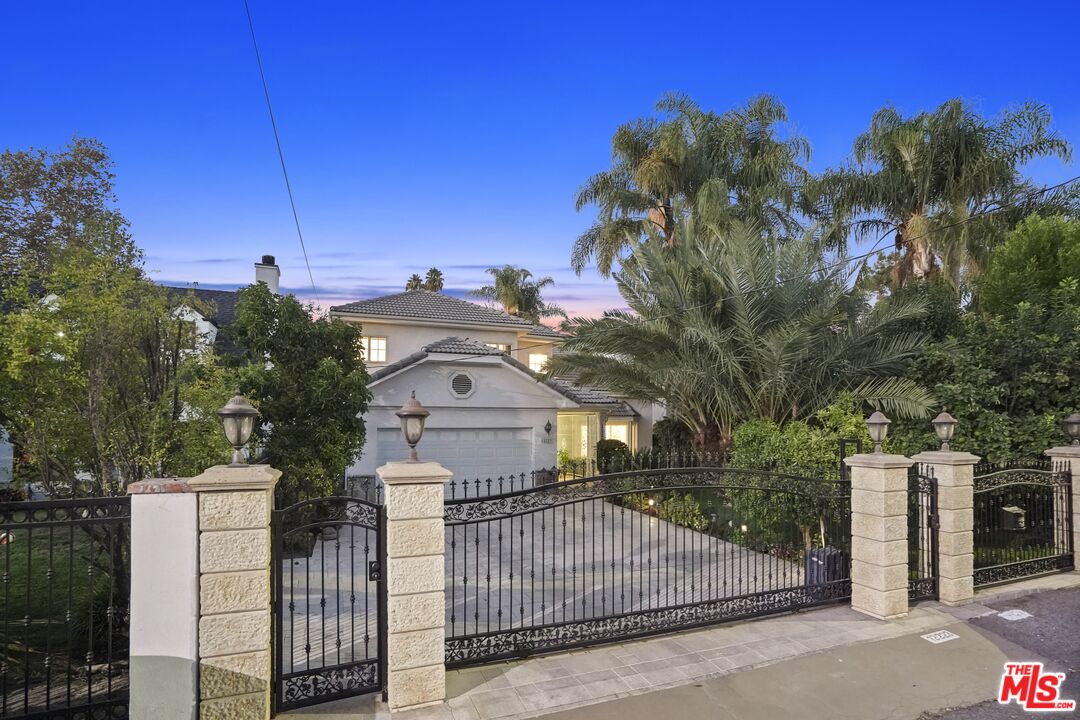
<point>847,260</point>
<point>281,155</point>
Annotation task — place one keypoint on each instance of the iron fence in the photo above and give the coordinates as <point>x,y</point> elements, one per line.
<point>1022,520</point>
<point>634,553</point>
<point>922,533</point>
<point>65,591</point>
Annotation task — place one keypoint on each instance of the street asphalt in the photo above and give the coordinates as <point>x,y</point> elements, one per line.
<point>897,679</point>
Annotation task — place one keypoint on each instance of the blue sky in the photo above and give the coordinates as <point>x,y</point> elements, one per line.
<point>455,134</point>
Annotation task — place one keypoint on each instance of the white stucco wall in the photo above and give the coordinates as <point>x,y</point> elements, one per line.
<point>503,398</point>
<point>650,413</point>
<point>403,339</point>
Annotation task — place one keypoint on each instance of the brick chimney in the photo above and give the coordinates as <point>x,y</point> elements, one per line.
<point>267,271</point>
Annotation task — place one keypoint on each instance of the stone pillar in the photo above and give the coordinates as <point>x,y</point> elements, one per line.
<point>164,601</point>
<point>954,473</point>
<point>416,586</point>
<point>1071,454</point>
<point>879,546</point>
<point>234,591</point>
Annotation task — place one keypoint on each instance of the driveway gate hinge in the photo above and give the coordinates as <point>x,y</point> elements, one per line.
<point>374,571</point>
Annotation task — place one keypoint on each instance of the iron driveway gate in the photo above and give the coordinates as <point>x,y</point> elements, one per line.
<point>615,556</point>
<point>1023,521</point>
<point>922,533</point>
<point>64,590</point>
<point>329,600</point>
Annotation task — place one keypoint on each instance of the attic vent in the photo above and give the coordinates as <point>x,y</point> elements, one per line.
<point>461,384</point>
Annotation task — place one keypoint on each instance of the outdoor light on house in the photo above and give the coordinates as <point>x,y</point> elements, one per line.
<point>238,420</point>
<point>1072,427</point>
<point>944,427</point>
<point>413,416</point>
<point>878,425</point>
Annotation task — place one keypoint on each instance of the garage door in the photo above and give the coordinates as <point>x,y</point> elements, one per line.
<point>472,454</point>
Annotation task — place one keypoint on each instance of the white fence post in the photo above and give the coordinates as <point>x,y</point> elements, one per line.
<point>879,537</point>
<point>416,584</point>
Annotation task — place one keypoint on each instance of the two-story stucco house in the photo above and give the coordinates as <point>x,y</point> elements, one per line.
<point>475,369</point>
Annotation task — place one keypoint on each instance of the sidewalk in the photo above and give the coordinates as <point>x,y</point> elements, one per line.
<point>831,661</point>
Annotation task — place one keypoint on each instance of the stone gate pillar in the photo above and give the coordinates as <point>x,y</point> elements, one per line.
<point>1071,455</point>
<point>954,474</point>
<point>416,584</point>
<point>879,544</point>
<point>234,505</point>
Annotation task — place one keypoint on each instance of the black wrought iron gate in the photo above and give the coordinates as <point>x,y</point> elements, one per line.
<point>922,533</point>
<point>329,600</point>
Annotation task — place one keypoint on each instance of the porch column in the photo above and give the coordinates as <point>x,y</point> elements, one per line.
<point>879,546</point>
<point>234,591</point>
<point>954,474</point>
<point>416,583</point>
<point>1071,455</point>
<point>164,601</point>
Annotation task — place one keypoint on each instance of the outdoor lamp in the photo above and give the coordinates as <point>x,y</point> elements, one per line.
<point>1072,427</point>
<point>878,425</point>
<point>238,420</point>
<point>944,426</point>
<point>547,427</point>
<point>413,416</point>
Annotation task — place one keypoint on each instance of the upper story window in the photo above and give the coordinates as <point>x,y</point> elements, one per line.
<point>374,349</point>
<point>501,347</point>
<point>537,361</point>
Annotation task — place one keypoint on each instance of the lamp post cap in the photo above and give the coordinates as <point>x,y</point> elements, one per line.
<point>237,405</point>
<point>878,418</point>
<point>412,408</point>
<point>944,417</point>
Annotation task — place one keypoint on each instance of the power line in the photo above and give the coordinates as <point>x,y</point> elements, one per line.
<point>847,260</point>
<point>281,155</point>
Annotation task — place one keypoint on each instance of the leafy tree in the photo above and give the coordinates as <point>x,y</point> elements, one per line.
<point>723,328</point>
<point>1039,254</point>
<point>48,200</point>
<point>518,294</point>
<point>101,383</point>
<point>308,380</point>
<point>733,166</point>
<point>433,281</point>
<point>947,183</point>
<point>415,282</point>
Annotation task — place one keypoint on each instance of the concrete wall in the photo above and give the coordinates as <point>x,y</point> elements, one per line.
<point>403,338</point>
<point>503,397</point>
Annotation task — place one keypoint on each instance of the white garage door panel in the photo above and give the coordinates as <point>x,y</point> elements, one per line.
<point>479,453</point>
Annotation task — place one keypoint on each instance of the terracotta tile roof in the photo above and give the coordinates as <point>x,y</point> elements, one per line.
<point>461,346</point>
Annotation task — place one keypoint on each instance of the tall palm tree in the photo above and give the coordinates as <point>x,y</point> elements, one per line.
<point>518,295</point>
<point>433,281</point>
<point>415,282</point>
<point>947,183</point>
<point>729,166</point>
<point>727,327</point>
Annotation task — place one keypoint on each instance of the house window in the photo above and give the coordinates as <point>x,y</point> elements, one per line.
<point>537,361</point>
<point>623,431</point>
<point>501,347</point>
<point>374,349</point>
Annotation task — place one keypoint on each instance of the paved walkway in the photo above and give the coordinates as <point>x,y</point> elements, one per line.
<point>846,661</point>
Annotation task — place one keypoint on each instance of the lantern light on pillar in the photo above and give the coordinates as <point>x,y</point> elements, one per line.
<point>413,416</point>
<point>1072,427</point>
<point>878,425</point>
<point>944,427</point>
<point>238,421</point>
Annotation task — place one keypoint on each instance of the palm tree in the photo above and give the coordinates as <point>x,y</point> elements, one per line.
<point>947,183</point>
<point>415,282</point>
<point>722,328</point>
<point>731,166</point>
<point>519,295</point>
<point>434,280</point>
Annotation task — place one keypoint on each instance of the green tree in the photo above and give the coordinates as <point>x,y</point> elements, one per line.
<point>433,281</point>
<point>1039,254</point>
<point>518,294</point>
<point>723,328</point>
<point>308,380</point>
<point>946,183</point>
<point>103,379</point>
<point>415,282</point>
<point>732,166</point>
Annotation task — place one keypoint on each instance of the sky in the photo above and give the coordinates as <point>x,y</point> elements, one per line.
<point>456,134</point>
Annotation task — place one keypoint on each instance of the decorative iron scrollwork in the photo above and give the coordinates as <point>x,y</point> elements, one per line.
<point>304,687</point>
<point>1015,571</point>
